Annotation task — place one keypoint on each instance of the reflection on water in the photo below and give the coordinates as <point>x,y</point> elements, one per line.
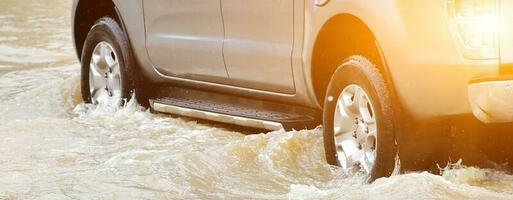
<point>54,147</point>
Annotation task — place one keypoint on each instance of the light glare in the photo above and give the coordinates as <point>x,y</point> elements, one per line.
<point>475,25</point>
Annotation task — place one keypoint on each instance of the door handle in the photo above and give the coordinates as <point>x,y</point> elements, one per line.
<point>321,3</point>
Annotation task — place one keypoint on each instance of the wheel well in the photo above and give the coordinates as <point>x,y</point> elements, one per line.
<point>87,13</point>
<point>342,36</point>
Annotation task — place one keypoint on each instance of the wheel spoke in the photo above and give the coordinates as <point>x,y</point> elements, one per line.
<point>98,68</point>
<point>349,147</point>
<point>342,121</point>
<point>103,50</point>
<point>364,164</point>
<point>113,85</point>
<point>372,131</point>
<point>96,79</point>
<point>366,111</point>
<point>114,69</point>
<point>100,96</point>
<point>359,96</point>
<point>96,58</point>
<point>348,104</point>
<point>350,100</point>
<point>356,158</point>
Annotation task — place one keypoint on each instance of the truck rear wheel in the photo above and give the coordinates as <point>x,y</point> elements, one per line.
<point>358,120</point>
<point>108,69</point>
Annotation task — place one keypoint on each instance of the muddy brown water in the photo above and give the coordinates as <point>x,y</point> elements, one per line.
<point>52,146</point>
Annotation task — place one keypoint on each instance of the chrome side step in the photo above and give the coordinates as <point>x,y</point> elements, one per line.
<point>224,118</point>
<point>232,109</point>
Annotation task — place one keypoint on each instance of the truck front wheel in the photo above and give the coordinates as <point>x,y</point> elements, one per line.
<point>358,120</point>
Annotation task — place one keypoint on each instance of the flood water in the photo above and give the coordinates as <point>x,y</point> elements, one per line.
<point>52,146</point>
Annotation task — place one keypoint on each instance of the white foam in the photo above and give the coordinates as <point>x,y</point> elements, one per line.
<point>55,146</point>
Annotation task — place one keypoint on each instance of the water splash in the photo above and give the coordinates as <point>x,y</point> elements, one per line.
<point>56,147</point>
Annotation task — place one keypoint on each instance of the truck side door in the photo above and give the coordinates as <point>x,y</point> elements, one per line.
<point>259,37</point>
<point>184,38</point>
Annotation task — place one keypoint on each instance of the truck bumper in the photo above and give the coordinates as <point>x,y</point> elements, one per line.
<point>492,101</point>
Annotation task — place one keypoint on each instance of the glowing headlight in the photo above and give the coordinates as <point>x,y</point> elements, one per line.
<point>475,24</point>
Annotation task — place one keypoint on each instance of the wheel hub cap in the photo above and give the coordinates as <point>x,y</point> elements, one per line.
<point>104,75</point>
<point>355,129</point>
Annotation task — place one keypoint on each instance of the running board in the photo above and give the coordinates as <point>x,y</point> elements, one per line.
<point>236,110</point>
<point>223,118</point>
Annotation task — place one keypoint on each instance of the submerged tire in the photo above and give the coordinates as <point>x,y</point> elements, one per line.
<point>358,120</point>
<point>108,67</point>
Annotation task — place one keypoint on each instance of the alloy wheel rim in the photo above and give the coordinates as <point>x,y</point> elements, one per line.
<point>104,75</point>
<point>355,130</point>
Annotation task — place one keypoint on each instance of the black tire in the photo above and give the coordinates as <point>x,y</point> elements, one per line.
<point>108,30</point>
<point>360,71</point>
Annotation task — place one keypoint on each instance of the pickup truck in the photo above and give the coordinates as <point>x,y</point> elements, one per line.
<point>388,80</point>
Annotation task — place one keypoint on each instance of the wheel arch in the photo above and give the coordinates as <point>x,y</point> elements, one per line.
<point>342,36</point>
<point>86,13</point>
